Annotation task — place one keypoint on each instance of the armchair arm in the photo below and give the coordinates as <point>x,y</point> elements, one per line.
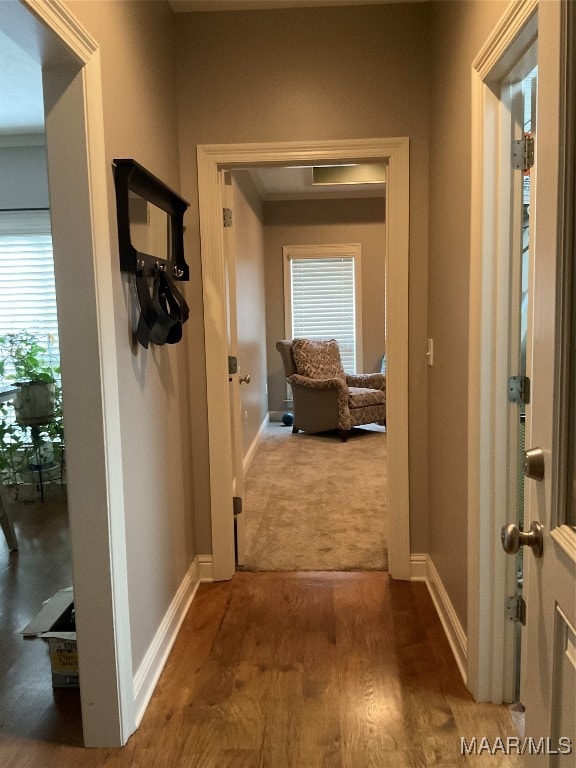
<point>304,381</point>
<point>302,385</point>
<point>368,380</point>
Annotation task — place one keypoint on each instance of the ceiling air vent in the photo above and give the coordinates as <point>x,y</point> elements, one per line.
<point>365,173</point>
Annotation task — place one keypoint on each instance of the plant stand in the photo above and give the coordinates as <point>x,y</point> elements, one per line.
<point>6,523</point>
<point>40,468</point>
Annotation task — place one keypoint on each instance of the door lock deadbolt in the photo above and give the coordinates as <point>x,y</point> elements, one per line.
<point>534,464</point>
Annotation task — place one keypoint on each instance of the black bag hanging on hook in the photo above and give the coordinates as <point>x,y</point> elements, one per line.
<point>162,313</point>
<point>175,307</point>
<point>154,325</point>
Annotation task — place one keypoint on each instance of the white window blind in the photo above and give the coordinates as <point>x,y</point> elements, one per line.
<point>27,287</point>
<point>323,300</point>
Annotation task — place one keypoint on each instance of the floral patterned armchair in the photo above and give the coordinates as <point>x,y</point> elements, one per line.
<point>325,397</point>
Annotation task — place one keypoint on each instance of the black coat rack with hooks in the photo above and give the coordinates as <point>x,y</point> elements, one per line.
<point>150,217</point>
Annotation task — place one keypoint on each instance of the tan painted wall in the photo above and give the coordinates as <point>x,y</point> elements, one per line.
<point>459,30</point>
<point>325,222</point>
<point>251,309</point>
<point>311,73</point>
<point>139,102</point>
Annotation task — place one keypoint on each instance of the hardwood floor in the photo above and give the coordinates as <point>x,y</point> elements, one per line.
<point>30,710</point>
<point>290,670</point>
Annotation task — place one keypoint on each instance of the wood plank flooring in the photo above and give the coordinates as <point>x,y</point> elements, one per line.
<point>30,710</point>
<point>293,670</point>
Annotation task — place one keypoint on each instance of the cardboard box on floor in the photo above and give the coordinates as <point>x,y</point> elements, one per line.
<point>55,623</point>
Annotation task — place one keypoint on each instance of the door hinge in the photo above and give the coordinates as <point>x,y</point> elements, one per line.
<point>227,216</point>
<point>516,609</point>
<point>519,390</point>
<point>237,505</point>
<point>523,153</point>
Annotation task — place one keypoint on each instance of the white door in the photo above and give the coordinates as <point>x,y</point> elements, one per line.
<point>548,689</point>
<point>518,92</point>
<point>234,377</point>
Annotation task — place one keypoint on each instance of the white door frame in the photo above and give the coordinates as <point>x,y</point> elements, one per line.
<point>210,159</point>
<point>489,573</point>
<point>72,83</point>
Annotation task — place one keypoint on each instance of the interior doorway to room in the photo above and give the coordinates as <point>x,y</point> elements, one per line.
<point>212,161</point>
<point>308,502</point>
<point>35,547</point>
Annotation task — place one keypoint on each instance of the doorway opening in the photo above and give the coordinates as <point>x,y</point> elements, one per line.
<point>309,503</point>
<point>33,497</point>
<point>504,98</point>
<point>212,159</point>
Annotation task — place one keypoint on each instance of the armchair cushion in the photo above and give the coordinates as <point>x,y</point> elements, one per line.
<point>360,397</point>
<point>318,359</point>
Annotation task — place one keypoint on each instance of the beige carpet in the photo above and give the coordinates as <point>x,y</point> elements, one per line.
<point>313,502</point>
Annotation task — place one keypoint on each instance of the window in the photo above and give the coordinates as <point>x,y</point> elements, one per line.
<point>322,297</point>
<point>27,288</point>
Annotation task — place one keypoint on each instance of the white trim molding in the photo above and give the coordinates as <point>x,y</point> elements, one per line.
<point>56,15</point>
<point>496,56</point>
<point>212,158</point>
<point>205,567</point>
<point>149,671</point>
<point>251,452</point>
<point>488,636</point>
<point>423,569</point>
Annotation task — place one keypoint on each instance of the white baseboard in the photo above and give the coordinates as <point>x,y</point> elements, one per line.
<point>255,443</point>
<point>277,415</point>
<point>423,569</point>
<point>418,565</point>
<point>150,669</point>
<point>205,567</point>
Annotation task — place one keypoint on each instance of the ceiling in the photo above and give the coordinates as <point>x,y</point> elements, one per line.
<point>194,6</point>
<point>21,101</point>
<point>296,184</point>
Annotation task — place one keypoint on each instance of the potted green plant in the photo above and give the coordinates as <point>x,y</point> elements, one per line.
<point>16,453</point>
<point>25,361</point>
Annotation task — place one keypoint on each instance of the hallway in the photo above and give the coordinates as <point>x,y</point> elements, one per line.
<point>299,670</point>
